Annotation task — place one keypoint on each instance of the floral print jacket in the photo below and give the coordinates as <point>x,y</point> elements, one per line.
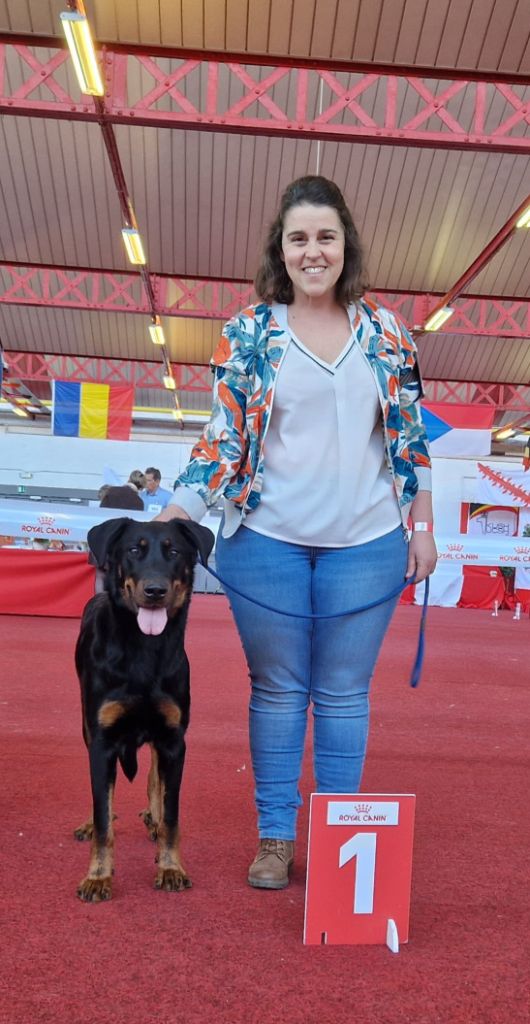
<point>228,460</point>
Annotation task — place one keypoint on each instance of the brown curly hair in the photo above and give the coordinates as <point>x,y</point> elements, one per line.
<point>272,282</point>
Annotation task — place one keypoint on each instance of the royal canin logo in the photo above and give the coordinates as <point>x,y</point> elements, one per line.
<point>363,808</point>
<point>46,520</point>
<point>455,547</point>
<point>523,550</point>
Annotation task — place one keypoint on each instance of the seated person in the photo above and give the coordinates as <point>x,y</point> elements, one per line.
<point>127,495</point>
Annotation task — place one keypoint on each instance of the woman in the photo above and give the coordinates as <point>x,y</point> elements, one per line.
<point>316,444</point>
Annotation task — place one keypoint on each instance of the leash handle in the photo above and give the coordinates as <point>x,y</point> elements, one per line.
<point>418,663</point>
<point>420,650</point>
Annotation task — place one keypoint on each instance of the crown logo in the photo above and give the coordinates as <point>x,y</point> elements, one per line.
<point>363,808</point>
<point>455,547</point>
<point>46,520</point>
<point>524,550</point>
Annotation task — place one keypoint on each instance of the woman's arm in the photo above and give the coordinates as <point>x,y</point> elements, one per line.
<point>222,448</point>
<point>422,548</point>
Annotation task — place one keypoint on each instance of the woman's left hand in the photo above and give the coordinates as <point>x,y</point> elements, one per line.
<point>422,556</point>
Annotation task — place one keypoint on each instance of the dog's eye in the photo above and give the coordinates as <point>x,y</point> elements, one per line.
<point>174,551</point>
<point>135,550</point>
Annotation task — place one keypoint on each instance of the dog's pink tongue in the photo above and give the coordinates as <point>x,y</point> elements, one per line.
<point>152,620</point>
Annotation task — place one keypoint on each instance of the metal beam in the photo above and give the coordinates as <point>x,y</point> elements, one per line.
<point>61,287</point>
<point>52,42</point>
<point>491,249</point>
<point>34,366</point>
<point>245,97</point>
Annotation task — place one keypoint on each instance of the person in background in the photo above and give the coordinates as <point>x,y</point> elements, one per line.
<point>103,490</point>
<point>123,496</point>
<point>315,515</point>
<point>126,496</point>
<point>154,496</point>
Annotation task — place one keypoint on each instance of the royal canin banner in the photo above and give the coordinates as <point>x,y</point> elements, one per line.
<point>20,523</point>
<point>24,524</point>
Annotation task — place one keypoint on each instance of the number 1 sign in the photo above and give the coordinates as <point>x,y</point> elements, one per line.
<point>359,869</point>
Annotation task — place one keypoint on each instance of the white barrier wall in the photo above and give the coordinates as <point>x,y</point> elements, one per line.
<point>80,463</point>
<point>76,462</point>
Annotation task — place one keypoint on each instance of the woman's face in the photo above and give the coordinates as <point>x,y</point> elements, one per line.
<point>313,249</point>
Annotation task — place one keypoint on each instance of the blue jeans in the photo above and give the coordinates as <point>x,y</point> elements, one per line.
<point>294,662</point>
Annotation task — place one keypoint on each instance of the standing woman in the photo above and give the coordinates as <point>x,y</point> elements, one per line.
<point>316,444</point>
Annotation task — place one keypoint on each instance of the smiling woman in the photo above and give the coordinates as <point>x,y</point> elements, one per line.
<point>316,445</point>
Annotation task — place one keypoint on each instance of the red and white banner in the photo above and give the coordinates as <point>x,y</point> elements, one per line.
<point>504,485</point>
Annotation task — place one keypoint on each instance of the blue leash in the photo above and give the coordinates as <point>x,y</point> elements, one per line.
<point>418,663</point>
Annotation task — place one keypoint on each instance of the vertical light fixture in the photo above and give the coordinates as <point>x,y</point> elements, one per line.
<point>134,246</point>
<point>157,331</point>
<point>77,32</point>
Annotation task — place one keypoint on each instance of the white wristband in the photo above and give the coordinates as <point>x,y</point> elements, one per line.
<point>422,527</point>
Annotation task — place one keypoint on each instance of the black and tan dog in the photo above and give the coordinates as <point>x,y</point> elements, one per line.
<point>134,676</point>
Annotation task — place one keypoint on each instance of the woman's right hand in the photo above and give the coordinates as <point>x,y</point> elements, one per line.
<point>171,512</point>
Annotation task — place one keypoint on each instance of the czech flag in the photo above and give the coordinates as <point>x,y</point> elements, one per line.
<point>463,430</point>
<point>101,411</point>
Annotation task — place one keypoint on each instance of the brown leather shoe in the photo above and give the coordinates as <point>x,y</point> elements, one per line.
<point>270,867</point>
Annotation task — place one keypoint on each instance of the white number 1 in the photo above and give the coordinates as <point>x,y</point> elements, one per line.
<point>362,845</point>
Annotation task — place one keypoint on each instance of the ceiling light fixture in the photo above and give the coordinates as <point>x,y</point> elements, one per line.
<point>134,246</point>
<point>524,219</point>
<point>169,382</point>
<point>19,411</point>
<point>77,32</point>
<point>436,320</point>
<point>157,331</point>
<point>504,433</point>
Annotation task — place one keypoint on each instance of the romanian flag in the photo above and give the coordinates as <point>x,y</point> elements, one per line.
<point>458,429</point>
<point>92,410</point>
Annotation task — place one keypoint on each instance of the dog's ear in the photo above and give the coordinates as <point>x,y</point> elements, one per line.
<point>200,536</point>
<point>101,538</point>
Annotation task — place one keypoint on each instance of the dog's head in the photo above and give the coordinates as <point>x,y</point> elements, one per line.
<point>149,566</point>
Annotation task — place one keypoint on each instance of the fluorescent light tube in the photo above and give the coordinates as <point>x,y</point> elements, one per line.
<point>133,245</point>
<point>77,32</point>
<point>524,219</point>
<point>157,332</point>
<point>438,319</point>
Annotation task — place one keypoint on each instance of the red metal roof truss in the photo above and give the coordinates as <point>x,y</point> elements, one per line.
<point>294,116</point>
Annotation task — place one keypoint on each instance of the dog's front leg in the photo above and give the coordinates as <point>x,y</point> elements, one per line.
<point>97,885</point>
<point>171,875</point>
<point>153,815</point>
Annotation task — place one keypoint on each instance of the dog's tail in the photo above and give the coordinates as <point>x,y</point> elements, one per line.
<point>128,760</point>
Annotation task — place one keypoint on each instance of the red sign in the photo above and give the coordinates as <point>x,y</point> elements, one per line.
<point>359,868</point>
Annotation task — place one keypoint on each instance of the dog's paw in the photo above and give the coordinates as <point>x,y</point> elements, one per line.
<point>84,832</point>
<point>150,824</point>
<point>95,890</point>
<point>172,880</point>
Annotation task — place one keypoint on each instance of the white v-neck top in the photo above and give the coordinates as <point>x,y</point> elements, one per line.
<point>326,482</point>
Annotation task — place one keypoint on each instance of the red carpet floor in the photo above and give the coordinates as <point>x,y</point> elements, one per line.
<point>223,952</point>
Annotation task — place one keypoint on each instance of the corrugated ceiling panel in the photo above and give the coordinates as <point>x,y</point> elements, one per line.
<point>482,34</point>
<point>57,193</point>
<point>108,335</point>
<point>203,202</point>
<point>468,357</point>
